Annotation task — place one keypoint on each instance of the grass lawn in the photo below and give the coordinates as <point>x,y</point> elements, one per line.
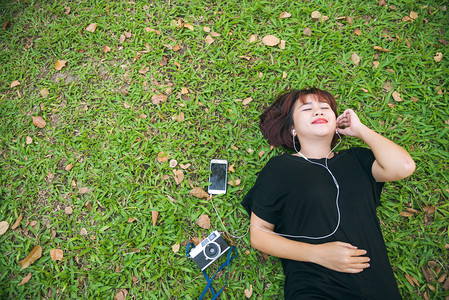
<point>146,97</point>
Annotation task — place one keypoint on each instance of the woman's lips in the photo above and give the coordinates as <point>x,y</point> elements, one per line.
<point>320,121</point>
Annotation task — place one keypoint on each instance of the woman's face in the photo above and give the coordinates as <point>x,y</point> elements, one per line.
<point>313,119</point>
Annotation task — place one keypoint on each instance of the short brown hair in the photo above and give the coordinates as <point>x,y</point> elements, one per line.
<point>277,119</point>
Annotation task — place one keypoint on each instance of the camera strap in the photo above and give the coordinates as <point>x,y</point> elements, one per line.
<point>229,258</point>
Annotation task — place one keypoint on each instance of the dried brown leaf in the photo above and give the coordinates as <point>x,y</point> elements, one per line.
<point>15,83</point>
<point>25,279</point>
<point>176,48</point>
<point>203,222</point>
<point>214,34</point>
<point>249,292</point>
<point>154,216</point>
<point>184,90</point>
<point>148,29</point>
<point>84,190</point>
<point>234,182</point>
<point>406,214</point>
<point>39,121</point>
<point>3,227</point>
<point>179,176</point>
<point>131,219</point>
<point>316,16</point>
<point>406,18</point>
<point>121,294</point>
<point>378,48</point>
<point>438,57</point>
<point>355,59</point>
<point>83,231</point>
<point>261,153</point>
<point>413,15</point>
<point>270,40</point>
<point>188,26</point>
<point>358,31</point>
<point>231,168</point>
<point>199,193</point>
<point>282,45</point>
<point>246,101</point>
<point>162,157</point>
<point>186,166</point>
<point>35,254</point>
<point>397,96</point>
<point>17,222</point>
<point>446,285</point>
<point>5,24</point>
<point>176,247</point>
<point>285,15</point>
<point>56,254</point>
<point>390,71</point>
<point>44,92</point>
<point>376,64</point>
<point>158,99</point>
<point>387,86</point>
<point>68,210</point>
<point>253,38</point>
<point>307,31</point>
<point>91,27</point>
<point>209,39</point>
<point>60,64</point>
<point>206,29</point>
<point>68,167</point>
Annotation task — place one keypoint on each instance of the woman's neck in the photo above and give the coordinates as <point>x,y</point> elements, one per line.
<point>316,151</point>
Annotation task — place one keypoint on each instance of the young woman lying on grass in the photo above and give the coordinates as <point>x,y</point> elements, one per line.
<point>316,209</point>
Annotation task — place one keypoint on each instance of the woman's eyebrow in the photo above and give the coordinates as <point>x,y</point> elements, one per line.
<point>306,103</point>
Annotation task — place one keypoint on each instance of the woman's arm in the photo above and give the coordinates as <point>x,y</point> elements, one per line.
<point>337,256</point>
<point>392,161</point>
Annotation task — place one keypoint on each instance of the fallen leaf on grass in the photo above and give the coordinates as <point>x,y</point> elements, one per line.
<point>154,216</point>
<point>39,121</point>
<point>45,92</point>
<point>29,140</point>
<point>397,96</point>
<point>282,45</point>
<point>83,231</point>
<point>17,222</point>
<point>56,254</point>
<point>376,64</point>
<point>5,25</point>
<point>413,15</point>
<point>206,29</point>
<point>406,214</point>
<point>387,86</point>
<point>68,167</point>
<point>131,219</point>
<point>106,49</point>
<point>253,38</point>
<point>15,83</point>
<point>162,157</point>
<point>316,16</point>
<point>358,31</point>
<point>179,176</point>
<point>91,27</point>
<point>186,166</point>
<point>199,193</point>
<point>68,210</point>
<point>188,26</point>
<point>235,182</point>
<point>176,247</point>
<point>35,254</point>
<point>438,57</point>
<point>3,227</point>
<point>249,293</point>
<point>285,15</point>
<point>378,48</point>
<point>158,98</point>
<point>25,279</point>
<point>246,101</point>
<point>209,39</point>
<point>355,59</point>
<point>173,163</point>
<point>60,64</point>
<point>203,221</point>
<point>84,190</point>
<point>121,294</point>
<point>214,34</point>
<point>270,40</point>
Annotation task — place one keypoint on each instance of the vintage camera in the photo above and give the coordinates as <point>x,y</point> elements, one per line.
<point>209,250</point>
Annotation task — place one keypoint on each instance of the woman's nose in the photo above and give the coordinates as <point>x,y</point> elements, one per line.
<point>318,112</point>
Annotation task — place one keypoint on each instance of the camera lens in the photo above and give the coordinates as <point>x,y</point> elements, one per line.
<point>211,250</point>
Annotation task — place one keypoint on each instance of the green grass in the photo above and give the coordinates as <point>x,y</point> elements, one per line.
<point>114,150</point>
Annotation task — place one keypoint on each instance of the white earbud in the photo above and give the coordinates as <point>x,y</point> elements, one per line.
<point>293,131</point>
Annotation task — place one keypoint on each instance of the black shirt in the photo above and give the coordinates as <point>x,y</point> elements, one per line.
<point>299,198</point>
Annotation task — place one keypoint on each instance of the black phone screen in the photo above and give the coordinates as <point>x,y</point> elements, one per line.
<point>218,177</point>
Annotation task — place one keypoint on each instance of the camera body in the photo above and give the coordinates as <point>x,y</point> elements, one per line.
<point>209,250</point>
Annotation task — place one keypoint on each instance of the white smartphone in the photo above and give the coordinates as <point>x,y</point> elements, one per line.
<point>218,176</point>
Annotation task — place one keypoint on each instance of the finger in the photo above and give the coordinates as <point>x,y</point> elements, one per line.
<point>358,252</point>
